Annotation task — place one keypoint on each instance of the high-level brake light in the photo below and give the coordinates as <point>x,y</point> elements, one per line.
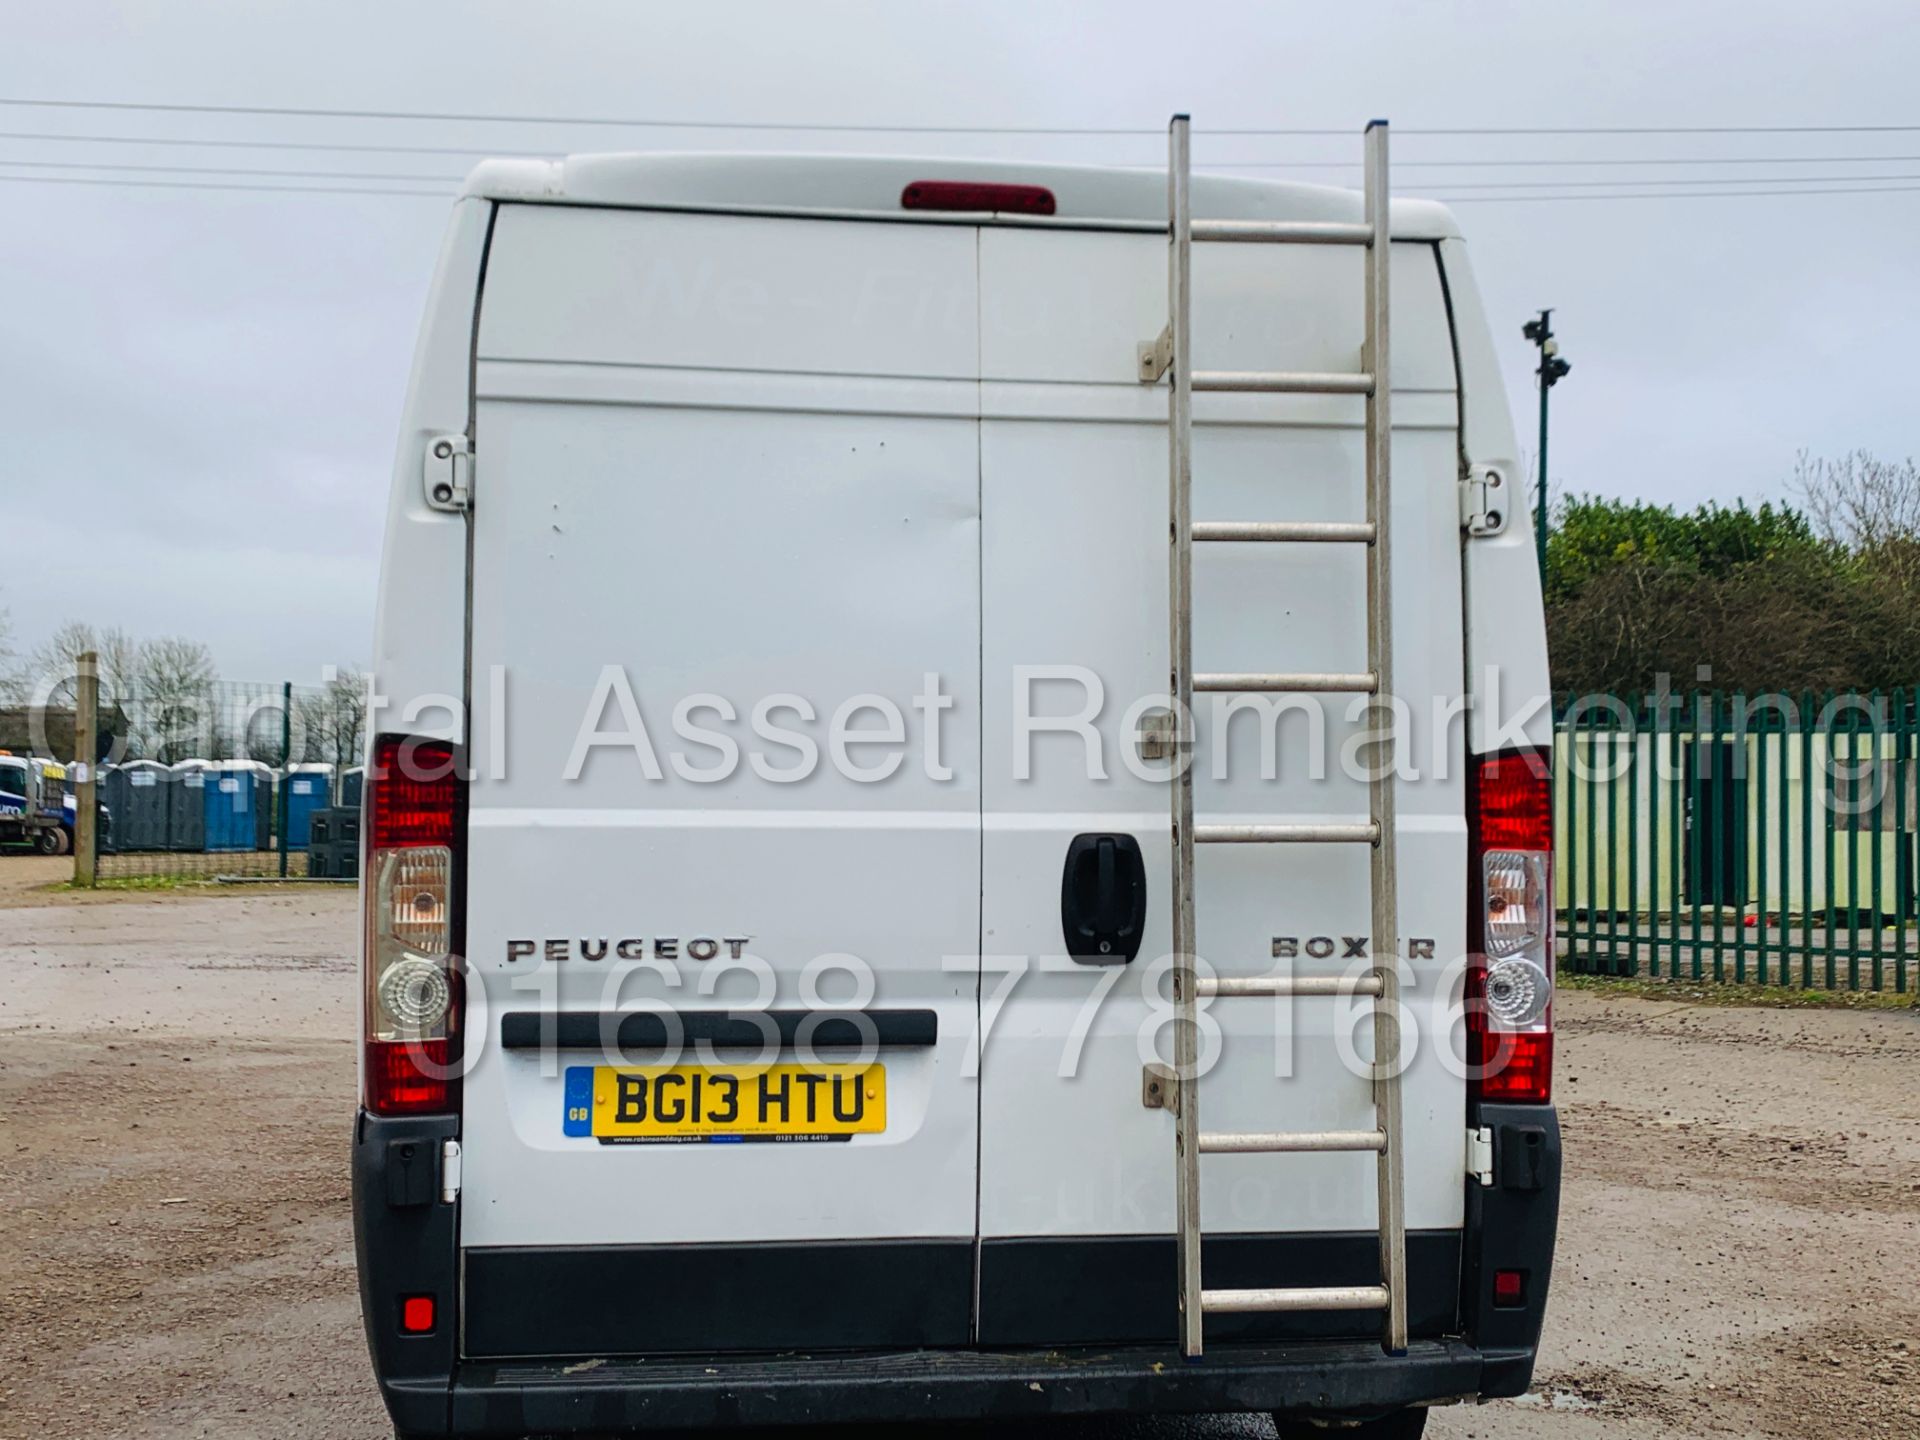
<point>1510,917</point>
<point>415,818</point>
<point>983,196</point>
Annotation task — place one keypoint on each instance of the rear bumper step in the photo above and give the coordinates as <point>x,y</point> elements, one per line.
<point>588,1395</point>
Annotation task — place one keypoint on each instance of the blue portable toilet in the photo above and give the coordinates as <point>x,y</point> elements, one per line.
<point>234,792</point>
<point>352,783</point>
<point>187,806</point>
<point>305,789</point>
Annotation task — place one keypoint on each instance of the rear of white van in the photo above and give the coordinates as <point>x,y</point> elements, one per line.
<point>767,882</point>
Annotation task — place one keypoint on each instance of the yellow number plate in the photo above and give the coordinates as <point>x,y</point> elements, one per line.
<point>709,1102</point>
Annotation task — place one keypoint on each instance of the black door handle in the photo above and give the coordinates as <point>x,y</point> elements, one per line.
<point>1103,898</point>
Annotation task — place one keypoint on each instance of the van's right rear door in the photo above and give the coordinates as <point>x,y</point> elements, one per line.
<point>1076,1176</point>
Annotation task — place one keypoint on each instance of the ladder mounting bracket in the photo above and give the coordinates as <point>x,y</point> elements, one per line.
<point>1160,1088</point>
<point>1155,356</point>
<point>1158,737</point>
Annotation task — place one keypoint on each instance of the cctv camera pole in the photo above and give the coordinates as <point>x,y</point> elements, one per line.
<point>1552,369</point>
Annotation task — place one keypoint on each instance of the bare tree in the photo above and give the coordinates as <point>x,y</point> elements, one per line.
<point>1865,503</point>
<point>52,666</point>
<point>176,700</point>
<point>12,684</point>
<point>334,719</point>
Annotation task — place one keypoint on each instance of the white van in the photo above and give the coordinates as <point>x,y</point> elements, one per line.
<point>770,817</point>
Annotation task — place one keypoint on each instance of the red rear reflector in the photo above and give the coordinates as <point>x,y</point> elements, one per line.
<point>1509,1288</point>
<point>1513,1066</point>
<point>416,1315</point>
<point>395,1082</point>
<point>976,195</point>
<point>415,792</point>
<point>1511,802</point>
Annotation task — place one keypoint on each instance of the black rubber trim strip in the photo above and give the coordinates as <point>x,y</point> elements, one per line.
<point>674,1299</point>
<point>721,1029</point>
<point>1118,1289</point>
<point>599,1395</point>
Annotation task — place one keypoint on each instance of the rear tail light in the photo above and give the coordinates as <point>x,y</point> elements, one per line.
<point>1510,918</point>
<point>416,813</point>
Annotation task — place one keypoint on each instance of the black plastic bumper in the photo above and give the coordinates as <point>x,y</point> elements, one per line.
<point>406,1239</point>
<point>513,1399</point>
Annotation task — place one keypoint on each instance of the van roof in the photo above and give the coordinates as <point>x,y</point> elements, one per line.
<point>869,187</point>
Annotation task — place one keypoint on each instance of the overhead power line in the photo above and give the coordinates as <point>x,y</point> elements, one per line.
<point>816,127</point>
<point>477,150</point>
<point>116,182</point>
<point>1672,195</point>
<point>550,152</point>
<point>1570,160</point>
<point>279,174</point>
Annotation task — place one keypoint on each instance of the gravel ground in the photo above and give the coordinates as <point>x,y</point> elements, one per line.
<point>1739,1248</point>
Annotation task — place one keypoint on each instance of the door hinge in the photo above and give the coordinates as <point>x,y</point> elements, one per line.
<point>447,473</point>
<point>1480,1154</point>
<point>449,1171</point>
<point>1484,499</point>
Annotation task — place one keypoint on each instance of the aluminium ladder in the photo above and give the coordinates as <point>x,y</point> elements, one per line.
<point>1178,1090</point>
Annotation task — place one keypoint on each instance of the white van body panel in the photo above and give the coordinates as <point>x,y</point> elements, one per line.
<point>1074,573</point>
<point>743,428</point>
<point>419,655</point>
<point>1505,612</point>
<point>703,466</point>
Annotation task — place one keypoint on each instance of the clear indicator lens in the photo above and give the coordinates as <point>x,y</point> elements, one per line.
<point>1516,898</point>
<point>1517,993</point>
<point>415,993</point>
<point>414,898</point>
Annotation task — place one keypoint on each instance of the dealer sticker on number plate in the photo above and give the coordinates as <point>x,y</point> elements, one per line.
<point>641,1104</point>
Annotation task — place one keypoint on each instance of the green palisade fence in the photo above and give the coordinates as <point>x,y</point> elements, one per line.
<point>1721,836</point>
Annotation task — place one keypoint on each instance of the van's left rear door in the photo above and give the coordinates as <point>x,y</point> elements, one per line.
<point>736,459</point>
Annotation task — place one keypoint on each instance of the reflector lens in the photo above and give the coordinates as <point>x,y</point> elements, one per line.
<point>1515,1066</point>
<point>416,1315</point>
<point>1509,1288</point>
<point>976,195</point>
<point>396,1084</point>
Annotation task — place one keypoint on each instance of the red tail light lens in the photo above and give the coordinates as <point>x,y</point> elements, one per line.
<point>414,792</point>
<point>416,812</point>
<point>1509,993</point>
<point>977,196</point>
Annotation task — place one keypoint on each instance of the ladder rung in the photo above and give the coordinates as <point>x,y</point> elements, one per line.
<point>1280,530</point>
<point>1284,382</point>
<point>1283,232</point>
<point>1290,1142</point>
<point>1303,986</point>
<point>1303,682</point>
<point>1286,834</point>
<point>1332,1297</point>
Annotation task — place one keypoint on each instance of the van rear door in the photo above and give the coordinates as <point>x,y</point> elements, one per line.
<point>728,465</point>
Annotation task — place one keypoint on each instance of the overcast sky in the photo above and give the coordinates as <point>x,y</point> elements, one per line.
<point>199,388</point>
